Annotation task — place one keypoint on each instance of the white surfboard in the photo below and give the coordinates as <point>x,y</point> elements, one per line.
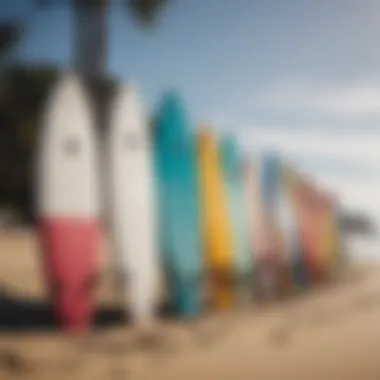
<point>67,200</point>
<point>67,162</point>
<point>132,204</point>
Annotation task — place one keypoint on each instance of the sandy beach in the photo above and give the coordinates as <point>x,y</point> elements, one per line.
<point>331,333</point>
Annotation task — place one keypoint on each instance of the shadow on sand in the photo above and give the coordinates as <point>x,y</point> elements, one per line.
<point>28,315</point>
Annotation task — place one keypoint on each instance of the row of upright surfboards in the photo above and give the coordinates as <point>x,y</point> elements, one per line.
<point>182,207</point>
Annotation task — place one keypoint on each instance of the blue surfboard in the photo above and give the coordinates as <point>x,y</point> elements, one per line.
<point>269,180</point>
<point>238,213</point>
<point>179,225</point>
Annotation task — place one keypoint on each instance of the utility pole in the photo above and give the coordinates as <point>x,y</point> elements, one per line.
<point>90,36</point>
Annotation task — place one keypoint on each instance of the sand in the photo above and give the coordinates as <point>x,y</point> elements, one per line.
<point>331,333</point>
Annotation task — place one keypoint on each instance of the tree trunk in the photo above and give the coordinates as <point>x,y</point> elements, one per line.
<point>90,36</point>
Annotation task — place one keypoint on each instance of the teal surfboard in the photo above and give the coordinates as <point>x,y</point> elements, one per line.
<point>179,225</point>
<point>238,213</point>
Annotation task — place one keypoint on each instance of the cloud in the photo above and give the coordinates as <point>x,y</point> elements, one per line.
<point>313,142</point>
<point>357,99</point>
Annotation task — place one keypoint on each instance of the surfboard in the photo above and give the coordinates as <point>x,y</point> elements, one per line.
<point>323,226</point>
<point>232,169</point>
<point>258,241</point>
<point>217,228</point>
<point>329,245</point>
<point>286,220</point>
<point>132,211</point>
<point>308,208</point>
<point>271,196</point>
<point>337,260</point>
<point>296,254</point>
<point>270,192</point>
<point>325,231</point>
<point>179,214</point>
<point>68,202</point>
<point>260,237</point>
<point>289,229</point>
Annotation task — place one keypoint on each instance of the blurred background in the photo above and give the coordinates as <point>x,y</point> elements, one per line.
<point>301,77</point>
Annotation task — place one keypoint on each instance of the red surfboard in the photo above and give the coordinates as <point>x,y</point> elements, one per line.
<point>68,203</point>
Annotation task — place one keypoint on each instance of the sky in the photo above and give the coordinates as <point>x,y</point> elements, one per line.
<point>302,76</point>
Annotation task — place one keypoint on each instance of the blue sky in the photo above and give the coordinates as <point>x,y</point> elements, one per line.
<point>302,75</point>
<point>222,52</point>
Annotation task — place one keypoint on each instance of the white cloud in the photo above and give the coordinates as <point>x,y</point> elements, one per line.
<point>356,99</point>
<point>295,143</point>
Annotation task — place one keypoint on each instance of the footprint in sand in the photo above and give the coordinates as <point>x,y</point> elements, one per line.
<point>281,335</point>
<point>12,362</point>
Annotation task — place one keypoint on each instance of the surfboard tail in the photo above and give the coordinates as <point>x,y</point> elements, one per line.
<point>223,298</point>
<point>70,249</point>
<point>186,298</point>
<point>223,293</point>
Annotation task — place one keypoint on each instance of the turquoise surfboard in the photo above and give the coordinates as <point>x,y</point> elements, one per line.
<point>179,225</point>
<point>238,213</point>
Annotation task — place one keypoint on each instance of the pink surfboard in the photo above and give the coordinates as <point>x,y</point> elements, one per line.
<point>261,235</point>
<point>68,203</point>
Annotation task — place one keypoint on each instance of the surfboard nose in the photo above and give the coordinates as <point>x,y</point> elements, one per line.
<point>128,109</point>
<point>172,120</point>
<point>67,94</point>
<point>127,94</point>
<point>172,99</point>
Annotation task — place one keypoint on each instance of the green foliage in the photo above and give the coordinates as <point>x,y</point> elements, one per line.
<point>10,33</point>
<point>145,11</point>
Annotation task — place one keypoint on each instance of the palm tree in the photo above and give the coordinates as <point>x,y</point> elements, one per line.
<point>10,33</point>
<point>91,29</point>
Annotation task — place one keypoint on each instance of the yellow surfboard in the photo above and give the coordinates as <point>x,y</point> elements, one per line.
<point>216,227</point>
